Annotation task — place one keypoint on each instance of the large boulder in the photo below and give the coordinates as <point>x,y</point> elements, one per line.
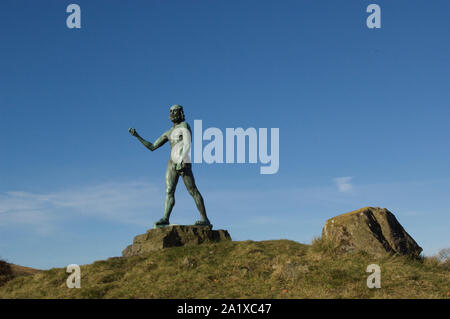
<point>171,236</point>
<point>371,229</point>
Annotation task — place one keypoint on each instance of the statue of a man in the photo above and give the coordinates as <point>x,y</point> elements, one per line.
<point>178,165</point>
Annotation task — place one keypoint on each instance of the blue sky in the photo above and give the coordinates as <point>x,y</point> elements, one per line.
<point>365,108</point>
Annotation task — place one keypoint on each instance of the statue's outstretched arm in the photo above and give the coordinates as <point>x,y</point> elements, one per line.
<point>159,142</point>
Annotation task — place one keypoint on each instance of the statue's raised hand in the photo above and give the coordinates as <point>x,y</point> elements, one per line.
<point>132,131</point>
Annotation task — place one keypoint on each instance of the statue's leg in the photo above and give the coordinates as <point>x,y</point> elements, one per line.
<point>171,184</point>
<point>189,181</point>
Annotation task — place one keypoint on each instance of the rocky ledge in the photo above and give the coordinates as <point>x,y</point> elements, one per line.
<point>172,236</point>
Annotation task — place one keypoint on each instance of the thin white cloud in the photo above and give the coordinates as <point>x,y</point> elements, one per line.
<point>130,202</point>
<point>343,184</point>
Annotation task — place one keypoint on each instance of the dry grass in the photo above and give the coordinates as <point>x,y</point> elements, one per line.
<point>9,271</point>
<point>267,269</point>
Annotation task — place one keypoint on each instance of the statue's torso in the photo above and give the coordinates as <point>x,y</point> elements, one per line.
<point>175,134</point>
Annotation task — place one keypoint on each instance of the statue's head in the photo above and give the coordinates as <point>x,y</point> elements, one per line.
<point>176,113</point>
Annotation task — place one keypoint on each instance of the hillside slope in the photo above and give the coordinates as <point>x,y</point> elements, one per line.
<point>9,271</point>
<point>267,269</point>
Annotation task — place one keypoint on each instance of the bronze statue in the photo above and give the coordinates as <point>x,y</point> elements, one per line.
<point>177,166</point>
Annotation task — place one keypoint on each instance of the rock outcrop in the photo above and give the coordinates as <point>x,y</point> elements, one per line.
<point>171,236</point>
<point>371,229</point>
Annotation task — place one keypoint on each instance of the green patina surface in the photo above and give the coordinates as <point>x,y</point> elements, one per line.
<point>179,138</point>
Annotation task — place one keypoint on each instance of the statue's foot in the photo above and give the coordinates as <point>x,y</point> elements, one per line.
<point>203,222</point>
<point>163,222</point>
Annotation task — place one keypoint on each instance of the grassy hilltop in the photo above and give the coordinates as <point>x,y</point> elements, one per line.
<point>247,269</point>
